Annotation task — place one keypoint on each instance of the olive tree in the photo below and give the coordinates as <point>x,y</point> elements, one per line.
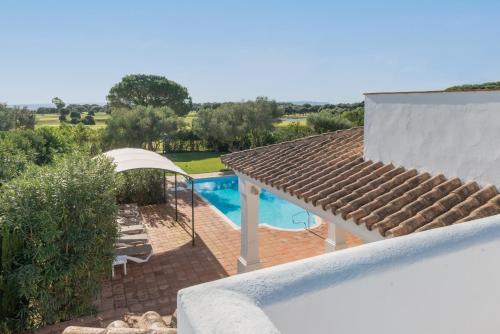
<point>140,127</point>
<point>235,126</point>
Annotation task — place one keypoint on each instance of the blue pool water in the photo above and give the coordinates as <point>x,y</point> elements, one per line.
<point>222,192</point>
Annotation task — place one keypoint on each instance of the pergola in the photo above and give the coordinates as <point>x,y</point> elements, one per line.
<point>135,158</point>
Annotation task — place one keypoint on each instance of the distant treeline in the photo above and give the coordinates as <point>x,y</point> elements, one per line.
<point>286,107</point>
<point>483,86</point>
<point>80,108</point>
<point>290,108</point>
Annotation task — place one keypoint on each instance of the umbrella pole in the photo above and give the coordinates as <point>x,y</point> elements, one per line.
<point>176,212</point>
<point>192,210</point>
<point>164,188</point>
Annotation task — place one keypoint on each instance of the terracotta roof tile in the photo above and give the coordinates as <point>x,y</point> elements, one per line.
<point>329,171</point>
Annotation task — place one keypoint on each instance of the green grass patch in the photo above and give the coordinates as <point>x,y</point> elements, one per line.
<point>53,120</point>
<point>198,162</point>
<point>286,123</point>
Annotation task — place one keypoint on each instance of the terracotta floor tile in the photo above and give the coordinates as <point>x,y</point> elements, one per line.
<point>175,264</point>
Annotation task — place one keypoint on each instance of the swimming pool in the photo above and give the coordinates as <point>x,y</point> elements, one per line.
<point>274,211</point>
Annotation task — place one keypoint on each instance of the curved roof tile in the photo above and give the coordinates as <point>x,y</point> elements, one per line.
<point>329,171</point>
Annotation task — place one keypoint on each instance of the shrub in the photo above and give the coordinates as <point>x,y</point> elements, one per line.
<point>141,186</point>
<point>292,131</point>
<point>7,118</point>
<point>16,118</point>
<point>355,116</point>
<point>75,114</point>
<point>325,121</point>
<point>57,235</point>
<point>13,161</point>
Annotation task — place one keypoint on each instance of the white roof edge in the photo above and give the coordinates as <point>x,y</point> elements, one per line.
<point>137,158</point>
<point>204,306</point>
<point>433,91</point>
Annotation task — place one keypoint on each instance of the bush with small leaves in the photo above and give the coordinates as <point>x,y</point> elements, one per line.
<point>57,235</point>
<point>141,186</point>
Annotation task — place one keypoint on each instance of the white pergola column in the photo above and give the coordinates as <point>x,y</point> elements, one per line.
<point>249,257</point>
<point>336,237</point>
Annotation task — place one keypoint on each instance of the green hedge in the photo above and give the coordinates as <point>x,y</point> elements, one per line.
<point>141,186</point>
<point>57,235</point>
<point>20,148</point>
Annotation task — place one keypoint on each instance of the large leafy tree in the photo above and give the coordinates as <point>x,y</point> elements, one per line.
<point>140,127</point>
<point>237,125</point>
<point>150,91</point>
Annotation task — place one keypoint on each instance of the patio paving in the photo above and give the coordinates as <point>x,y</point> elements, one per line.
<point>175,264</point>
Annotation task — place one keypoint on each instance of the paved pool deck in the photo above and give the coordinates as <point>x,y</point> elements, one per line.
<point>176,264</point>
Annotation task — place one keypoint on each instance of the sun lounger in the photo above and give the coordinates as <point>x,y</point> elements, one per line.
<point>133,243</point>
<point>135,253</point>
<point>119,260</point>
<point>128,221</point>
<point>139,260</point>
<point>134,250</point>
<point>129,206</point>
<point>131,229</point>
<point>128,214</point>
<point>133,238</point>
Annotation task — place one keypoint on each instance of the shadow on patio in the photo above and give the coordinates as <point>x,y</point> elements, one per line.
<point>176,264</point>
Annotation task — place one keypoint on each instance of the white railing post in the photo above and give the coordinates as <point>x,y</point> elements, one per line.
<point>335,238</point>
<point>249,257</point>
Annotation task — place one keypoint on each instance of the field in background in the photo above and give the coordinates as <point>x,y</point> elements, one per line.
<point>197,162</point>
<point>289,120</point>
<point>100,120</point>
<point>53,120</point>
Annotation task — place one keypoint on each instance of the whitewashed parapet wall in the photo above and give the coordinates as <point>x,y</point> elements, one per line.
<point>454,133</point>
<point>439,281</point>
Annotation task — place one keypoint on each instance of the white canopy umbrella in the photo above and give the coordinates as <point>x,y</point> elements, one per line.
<point>136,158</point>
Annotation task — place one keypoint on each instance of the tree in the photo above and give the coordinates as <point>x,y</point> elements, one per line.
<point>150,91</point>
<point>140,127</point>
<point>75,116</point>
<point>326,121</point>
<point>89,120</point>
<point>237,125</point>
<point>63,112</point>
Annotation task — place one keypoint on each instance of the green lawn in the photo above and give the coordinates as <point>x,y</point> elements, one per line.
<point>197,162</point>
<point>53,120</point>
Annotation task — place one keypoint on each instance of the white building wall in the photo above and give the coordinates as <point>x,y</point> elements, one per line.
<point>439,281</point>
<point>454,133</point>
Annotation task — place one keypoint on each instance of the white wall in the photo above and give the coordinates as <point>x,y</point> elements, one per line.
<point>454,133</point>
<point>439,281</point>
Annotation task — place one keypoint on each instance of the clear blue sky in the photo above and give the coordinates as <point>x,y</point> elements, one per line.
<point>233,50</point>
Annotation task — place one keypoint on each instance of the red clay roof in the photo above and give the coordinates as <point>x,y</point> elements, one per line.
<point>330,172</point>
